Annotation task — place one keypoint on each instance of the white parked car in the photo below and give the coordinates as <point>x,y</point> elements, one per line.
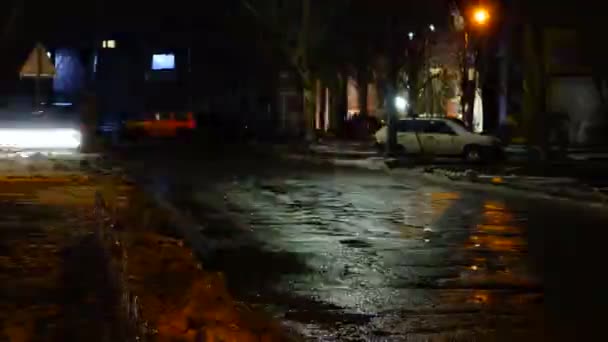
<point>441,137</point>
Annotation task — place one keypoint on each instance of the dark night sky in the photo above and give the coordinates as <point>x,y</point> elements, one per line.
<point>80,23</point>
<point>71,21</point>
<point>217,25</point>
<point>62,20</point>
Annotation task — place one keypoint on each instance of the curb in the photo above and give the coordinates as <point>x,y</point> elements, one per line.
<point>369,164</point>
<point>469,179</point>
<point>497,184</point>
<point>134,327</point>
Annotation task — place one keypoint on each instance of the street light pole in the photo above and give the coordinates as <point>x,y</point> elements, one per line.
<point>479,19</point>
<point>469,78</point>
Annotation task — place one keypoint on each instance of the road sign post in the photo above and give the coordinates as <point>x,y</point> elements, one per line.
<point>38,66</point>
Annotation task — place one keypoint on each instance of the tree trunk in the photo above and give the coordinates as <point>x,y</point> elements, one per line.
<point>469,77</point>
<point>8,29</point>
<point>319,103</point>
<point>534,92</point>
<point>338,115</point>
<point>309,107</point>
<point>415,63</point>
<point>362,86</point>
<point>390,92</point>
<point>503,73</point>
<point>273,105</point>
<point>299,59</point>
<point>336,103</point>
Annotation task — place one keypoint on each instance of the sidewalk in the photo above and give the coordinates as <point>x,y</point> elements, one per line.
<point>580,178</point>
<point>345,149</point>
<point>53,284</point>
<point>514,152</point>
<point>571,189</point>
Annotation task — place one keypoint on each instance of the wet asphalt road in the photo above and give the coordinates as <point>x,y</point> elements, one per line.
<point>349,255</point>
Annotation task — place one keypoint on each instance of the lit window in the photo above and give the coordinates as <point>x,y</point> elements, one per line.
<point>108,44</point>
<point>163,62</point>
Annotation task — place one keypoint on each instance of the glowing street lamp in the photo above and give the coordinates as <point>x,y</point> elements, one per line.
<point>481,16</point>
<point>401,103</point>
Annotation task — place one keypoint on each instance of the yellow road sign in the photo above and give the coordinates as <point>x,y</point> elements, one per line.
<point>38,64</point>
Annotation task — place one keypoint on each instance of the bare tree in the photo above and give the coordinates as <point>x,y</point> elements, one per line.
<point>9,28</point>
<point>299,30</point>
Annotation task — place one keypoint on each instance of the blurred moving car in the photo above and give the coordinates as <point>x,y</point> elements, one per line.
<point>50,130</point>
<point>441,137</point>
<point>161,124</point>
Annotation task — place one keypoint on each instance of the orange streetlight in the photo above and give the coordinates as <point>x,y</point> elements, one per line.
<point>479,20</point>
<point>481,16</point>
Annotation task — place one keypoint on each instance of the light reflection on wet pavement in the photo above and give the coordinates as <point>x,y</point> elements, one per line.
<point>343,255</point>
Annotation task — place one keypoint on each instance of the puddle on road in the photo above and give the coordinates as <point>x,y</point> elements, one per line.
<point>356,243</point>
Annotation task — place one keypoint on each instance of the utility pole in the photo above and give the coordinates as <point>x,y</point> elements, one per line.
<point>37,108</point>
<point>468,82</point>
<point>472,44</point>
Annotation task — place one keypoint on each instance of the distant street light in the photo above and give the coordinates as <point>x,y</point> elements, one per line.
<point>481,16</point>
<point>432,28</point>
<point>411,35</point>
<point>400,103</point>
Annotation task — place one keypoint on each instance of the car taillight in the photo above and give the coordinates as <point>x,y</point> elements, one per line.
<point>191,121</point>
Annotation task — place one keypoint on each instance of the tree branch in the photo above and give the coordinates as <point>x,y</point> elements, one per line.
<point>16,11</point>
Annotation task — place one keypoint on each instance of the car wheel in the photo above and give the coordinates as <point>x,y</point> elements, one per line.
<point>472,154</point>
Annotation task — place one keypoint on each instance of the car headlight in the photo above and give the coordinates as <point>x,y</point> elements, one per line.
<point>40,138</point>
<point>77,136</point>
